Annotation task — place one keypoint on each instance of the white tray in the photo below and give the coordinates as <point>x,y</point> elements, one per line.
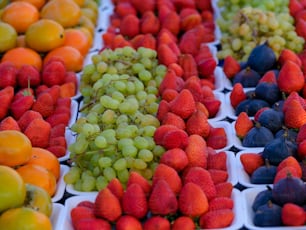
<point>222,113</point>
<point>61,185</point>
<point>57,216</point>
<point>231,167</point>
<point>74,112</point>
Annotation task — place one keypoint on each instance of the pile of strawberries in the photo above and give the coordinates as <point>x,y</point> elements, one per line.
<point>38,103</point>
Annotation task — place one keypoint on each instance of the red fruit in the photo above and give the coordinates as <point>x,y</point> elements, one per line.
<point>64,102</point>
<point>243,125</point>
<point>20,106</point>
<point>86,203</point>
<point>183,105</point>
<point>218,175</point>
<point>193,84</point>
<point>217,160</point>
<point>192,200</point>
<point>221,218</point>
<point>291,120</point>
<point>293,96</point>
<point>58,131</point>
<point>175,139</point>
<point>53,73</point>
<point>171,81</point>
<point>163,109</point>
<point>181,4</point>
<point>204,5</point>
<point>125,8</point>
<point>302,149</point>
<point>58,141</point>
<point>224,189</point>
<point>128,222</point>
<point>134,201</point>
<point>72,77</point>
<point>212,105</point>
<point>251,161</point>
<point>237,95</point>
<point>169,95</point>
<point>293,215</point>
<point>28,76</point>
<point>58,151</point>
<point>231,67</point>
<point>221,203</point>
<point>6,97</point>
<point>130,25</point>
<point>283,173</point>
<point>162,200</point>
<point>189,18</point>
<point>161,131</point>
<point>165,172</point>
<point>269,77</point>
<point>189,65</point>
<point>259,112</point>
<point>217,138</point>
<point>107,205</point>
<point>38,131</point>
<point>144,5</point>
<point>166,37</point>
<point>198,124</point>
<point>202,178</point>
<point>290,78</point>
<point>93,224</point>
<point>156,223</point>
<point>9,123</point>
<point>173,119</point>
<point>116,187</point>
<point>177,69</point>
<point>171,22</point>
<point>79,213</point>
<point>207,67</point>
<point>8,74</point>
<point>294,7</point>
<point>59,118</point>
<point>136,178</point>
<point>149,23</point>
<point>44,104</point>
<point>287,54</point>
<point>293,162</point>
<point>301,135</point>
<point>200,106</point>
<point>41,88</point>
<point>196,151</point>
<point>175,158</point>
<point>165,55</point>
<point>183,223</point>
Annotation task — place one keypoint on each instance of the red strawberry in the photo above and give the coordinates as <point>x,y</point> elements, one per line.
<point>217,138</point>
<point>193,84</point>
<point>293,215</point>
<point>130,26</point>
<point>173,119</point>
<point>171,81</point>
<point>269,77</point>
<point>168,95</point>
<point>53,73</point>
<point>79,212</point>
<point>189,18</point>
<point>237,95</point>
<point>181,4</point>
<point>156,223</point>
<point>231,66</point>
<point>116,187</point>
<point>107,205</point>
<point>21,105</point>
<point>177,68</point>
<point>55,92</point>
<point>290,77</point>
<point>221,203</point>
<point>218,175</point>
<point>28,76</point>
<point>58,141</point>
<point>58,151</point>
<point>175,139</point>
<point>93,224</point>
<point>38,131</point>
<point>44,104</point>
<point>137,178</point>
<point>301,135</point>
<point>8,74</point>
<point>166,37</point>
<point>283,173</point>
<point>207,67</point>
<point>183,105</point>
<point>198,124</point>
<point>71,76</point>
<point>251,161</point>
<point>294,7</point>
<point>290,161</point>
<point>64,102</point>
<point>162,200</point>
<point>196,151</point>
<point>124,8</point>
<point>200,106</point>
<point>212,105</point>
<point>202,178</point>
<point>287,54</point>
<point>59,118</point>
<point>243,124</point>
<point>161,131</point>
<point>165,55</point>
<point>163,109</point>
<point>301,151</point>
<point>27,117</point>
<point>58,131</point>
<point>9,123</point>
<point>6,97</point>
<point>204,5</point>
<point>134,201</point>
<point>171,22</point>
<point>175,158</point>
<point>192,200</point>
<point>86,203</point>
<point>165,172</point>
<point>189,66</point>
<point>128,222</point>
<point>149,23</point>
<point>183,223</point>
<point>217,160</point>
<point>143,5</point>
<point>221,218</point>
<point>294,107</point>
<point>224,189</point>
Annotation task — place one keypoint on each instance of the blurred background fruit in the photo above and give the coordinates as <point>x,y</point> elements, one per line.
<point>8,38</point>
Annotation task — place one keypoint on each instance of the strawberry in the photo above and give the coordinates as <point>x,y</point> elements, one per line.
<point>202,178</point>
<point>165,55</point>
<point>290,161</point>
<point>290,82</point>
<point>200,106</point>
<point>78,213</point>
<point>294,107</point>
<point>294,7</point>
<point>293,215</point>
<point>243,125</point>
<point>217,138</point>
<point>169,94</point>
<point>173,119</point>
<point>165,172</point>
<point>183,105</point>
<point>71,76</point>
<point>28,76</point>
<point>166,37</point>
<point>212,105</point>
<point>257,114</point>
<point>171,81</point>
<point>161,131</point>
<point>38,131</point>
<point>189,18</point>
<point>237,95</point>
<point>107,205</point>
<point>134,201</point>
<point>207,67</point>
<point>217,160</point>
<point>218,175</point>
<point>301,151</point>
<point>9,123</point>
<point>128,222</point>
<point>86,203</point>
<point>58,131</point>
<point>143,5</point>
<point>116,187</point>
<point>193,84</point>
<point>63,102</point>
<point>192,200</point>
<point>189,66</point>
<point>58,141</point>
<point>53,73</point>
<point>130,26</point>
<point>224,189</point>
<point>196,151</point>
<point>59,118</point>
<point>181,4</point>
<point>175,158</point>
<point>221,218</point>
<point>54,91</point>
<point>58,151</point>
<point>27,117</point>
<point>175,139</point>
<point>231,66</point>
<point>198,124</point>
<point>162,200</point>
<point>287,54</point>
<point>293,96</point>
<point>171,22</point>
<point>149,23</point>
<point>177,68</point>
<point>67,89</point>
<point>21,105</point>
<point>156,222</point>
<point>93,224</point>
<point>221,203</point>
<point>62,109</point>
<point>269,77</point>
<point>251,161</point>
<point>44,104</point>
<point>183,223</point>
<point>124,8</point>
<point>136,178</point>
<point>8,74</point>
<point>283,173</point>
<point>204,5</point>
<point>6,97</point>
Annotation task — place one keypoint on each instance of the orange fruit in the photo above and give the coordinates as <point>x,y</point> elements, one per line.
<point>37,3</point>
<point>71,57</point>
<point>87,33</point>
<point>15,148</point>
<point>8,37</point>
<point>77,39</point>
<point>65,12</point>
<point>39,176</point>
<point>45,35</point>
<point>20,56</point>
<point>20,15</point>
<point>87,23</point>
<point>79,2</point>
<point>46,159</point>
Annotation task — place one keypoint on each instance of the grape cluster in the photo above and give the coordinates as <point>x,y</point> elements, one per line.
<point>244,28</point>
<point>114,133</point>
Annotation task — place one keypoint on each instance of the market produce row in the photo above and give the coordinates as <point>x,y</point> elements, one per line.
<point>179,116</point>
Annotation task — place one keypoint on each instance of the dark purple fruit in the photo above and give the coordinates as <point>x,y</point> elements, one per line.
<point>268,91</point>
<point>268,215</point>
<point>250,106</point>
<point>271,119</point>
<point>247,77</point>
<point>264,174</point>
<point>278,106</point>
<point>258,136</point>
<point>262,58</point>
<point>291,134</point>
<point>262,198</point>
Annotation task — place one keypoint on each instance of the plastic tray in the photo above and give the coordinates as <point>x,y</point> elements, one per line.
<point>57,216</point>
<point>74,112</point>
<point>61,185</point>
<point>231,167</point>
<point>70,138</point>
<point>222,113</point>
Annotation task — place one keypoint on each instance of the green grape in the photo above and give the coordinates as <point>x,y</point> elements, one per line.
<point>116,95</point>
<point>101,183</point>
<point>78,185</point>
<point>148,120</point>
<point>137,67</point>
<point>88,184</point>
<point>139,86</point>
<point>130,87</point>
<point>145,155</point>
<point>125,142</point>
<point>147,173</point>
<point>72,175</point>
<point>105,162</point>
<point>148,131</point>
<point>158,150</point>
<point>109,135</point>
<point>139,164</point>
<point>80,145</point>
<point>120,164</point>
<point>108,117</point>
<point>123,175</point>
<point>96,171</point>
<point>141,142</point>
<point>129,161</point>
<point>88,69</point>
<point>129,151</point>
<point>92,117</point>
<point>144,75</point>
<point>109,173</point>
<point>100,142</point>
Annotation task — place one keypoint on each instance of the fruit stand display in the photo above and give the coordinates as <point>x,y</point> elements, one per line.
<point>152,114</point>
